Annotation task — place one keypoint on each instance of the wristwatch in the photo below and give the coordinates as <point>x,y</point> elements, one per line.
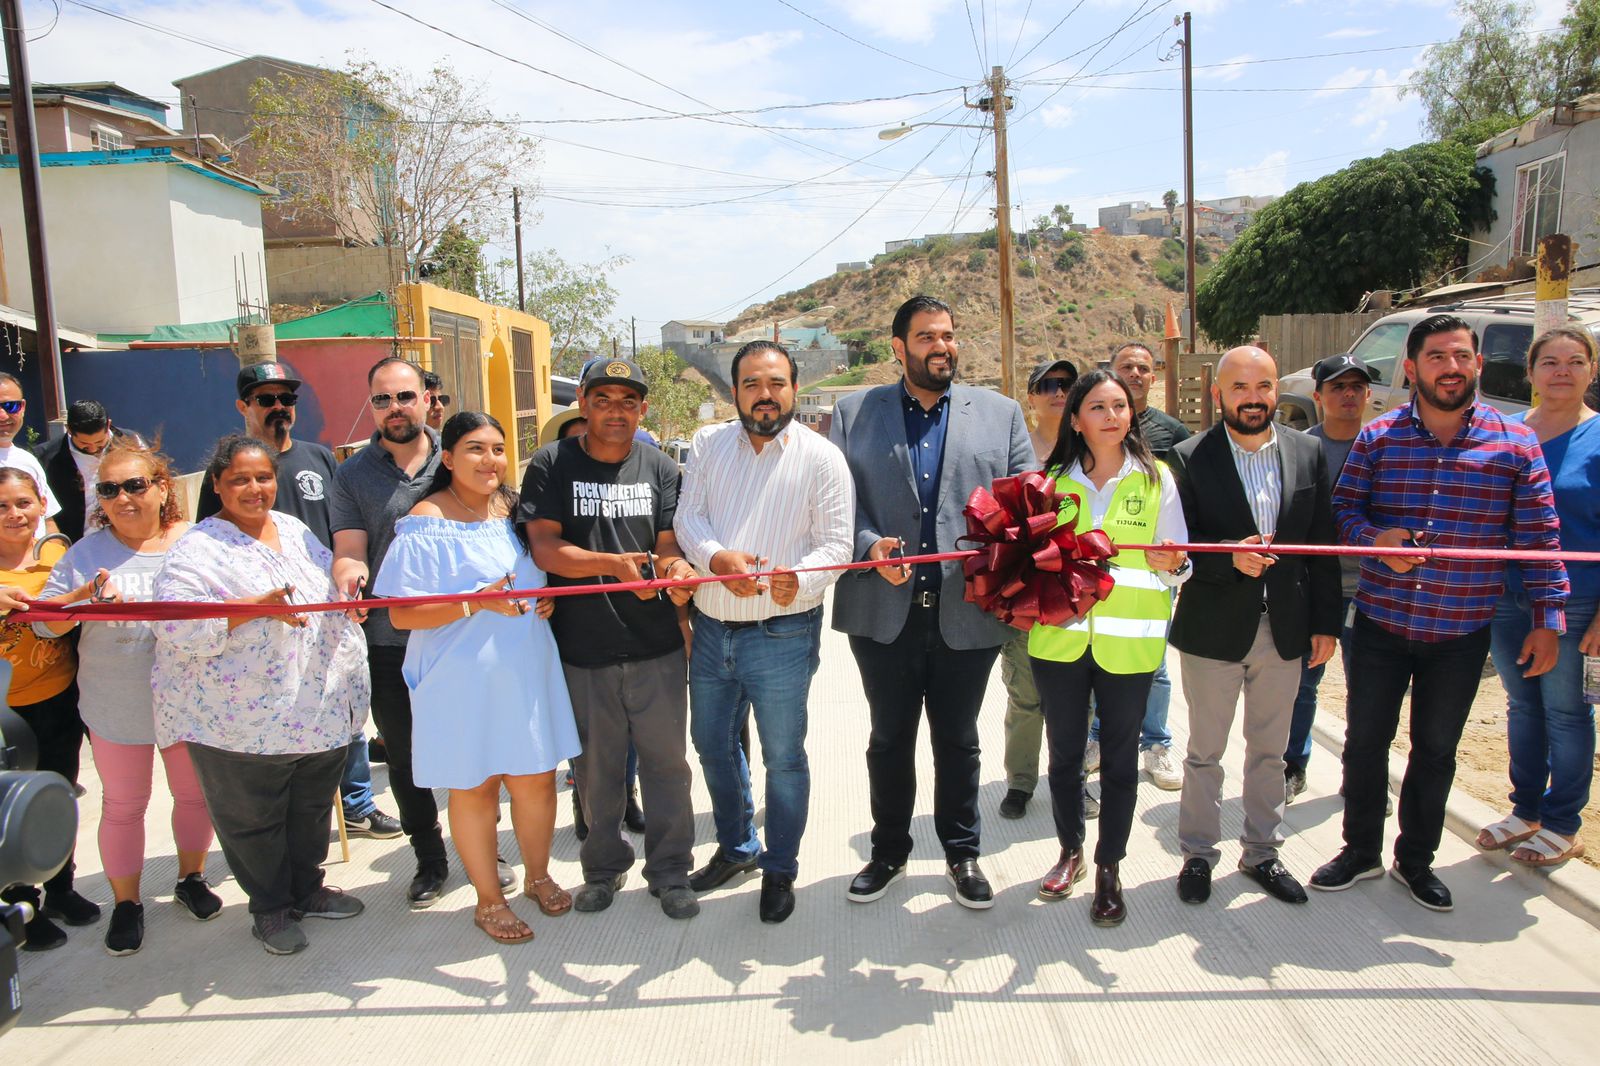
<point>1183,569</point>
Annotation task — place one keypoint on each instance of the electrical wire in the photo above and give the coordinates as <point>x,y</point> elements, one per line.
<point>983,60</point>
<point>1022,24</point>
<point>856,40</point>
<point>1048,32</point>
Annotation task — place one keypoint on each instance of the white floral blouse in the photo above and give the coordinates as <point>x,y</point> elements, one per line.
<point>265,688</point>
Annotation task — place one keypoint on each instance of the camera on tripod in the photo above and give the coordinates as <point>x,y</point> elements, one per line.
<point>38,825</point>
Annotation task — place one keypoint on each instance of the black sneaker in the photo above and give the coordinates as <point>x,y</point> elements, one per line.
<point>972,888</point>
<point>1425,888</point>
<point>41,934</point>
<point>377,825</point>
<point>873,881</point>
<point>196,897</point>
<point>1015,805</point>
<point>70,908</point>
<point>125,934</point>
<point>719,871</point>
<point>428,885</point>
<point>1344,870</point>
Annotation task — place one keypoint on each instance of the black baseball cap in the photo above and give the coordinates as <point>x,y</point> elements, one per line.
<point>265,374</point>
<point>1038,372</point>
<point>617,371</point>
<point>1325,370</point>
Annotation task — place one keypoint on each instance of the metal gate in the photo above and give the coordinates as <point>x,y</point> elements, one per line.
<point>458,360</point>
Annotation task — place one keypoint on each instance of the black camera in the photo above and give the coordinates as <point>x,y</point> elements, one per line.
<point>38,826</point>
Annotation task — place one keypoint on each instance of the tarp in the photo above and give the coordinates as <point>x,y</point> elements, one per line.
<point>370,316</point>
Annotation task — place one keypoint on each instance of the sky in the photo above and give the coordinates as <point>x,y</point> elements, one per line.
<point>733,207</point>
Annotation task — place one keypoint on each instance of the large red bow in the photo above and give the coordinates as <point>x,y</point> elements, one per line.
<point>1028,569</point>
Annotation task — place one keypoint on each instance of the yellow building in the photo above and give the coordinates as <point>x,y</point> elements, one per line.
<point>490,358</point>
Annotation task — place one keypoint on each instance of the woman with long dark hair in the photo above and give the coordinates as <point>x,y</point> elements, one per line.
<point>1111,482</point>
<point>489,700</point>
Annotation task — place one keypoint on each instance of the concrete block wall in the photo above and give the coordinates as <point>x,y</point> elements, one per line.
<point>328,274</point>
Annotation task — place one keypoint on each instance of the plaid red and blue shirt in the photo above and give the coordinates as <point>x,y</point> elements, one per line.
<point>1487,488</point>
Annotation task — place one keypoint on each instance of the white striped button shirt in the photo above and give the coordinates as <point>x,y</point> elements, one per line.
<point>1262,480</point>
<point>793,503</point>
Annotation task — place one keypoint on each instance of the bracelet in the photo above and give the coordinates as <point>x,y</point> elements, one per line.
<point>466,609</point>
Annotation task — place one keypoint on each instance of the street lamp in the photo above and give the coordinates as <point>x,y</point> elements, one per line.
<point>1002,212</point>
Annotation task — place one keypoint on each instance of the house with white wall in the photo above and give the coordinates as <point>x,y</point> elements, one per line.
<point>1546,180</point>
<point>137,237</point>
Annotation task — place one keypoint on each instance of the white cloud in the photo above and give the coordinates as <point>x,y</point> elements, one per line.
<point>912,21</point>
<point>1223,71</point>
<point>1055,116</point>
<point>1345,80</point>
<point>1350,33</point>
<point>1270,176</point>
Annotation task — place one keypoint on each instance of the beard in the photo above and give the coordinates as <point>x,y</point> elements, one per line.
<point>766,424</point>
<point>1235,419</point>
<point>278,427</point>
<point>919,375</point>
<point>1468,392</point>
<point>404,433</point>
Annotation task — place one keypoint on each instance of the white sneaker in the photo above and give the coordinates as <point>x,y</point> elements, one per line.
<point>1162,770</point>
<point>1091,758</point>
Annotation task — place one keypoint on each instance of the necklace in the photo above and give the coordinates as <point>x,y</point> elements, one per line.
<point>451,490</point>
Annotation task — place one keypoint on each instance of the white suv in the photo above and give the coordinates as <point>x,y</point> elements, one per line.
<point>1505,329</point>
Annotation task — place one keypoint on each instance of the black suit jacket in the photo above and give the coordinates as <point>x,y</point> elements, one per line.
<point>1219,609</point>
<point>66,485</point>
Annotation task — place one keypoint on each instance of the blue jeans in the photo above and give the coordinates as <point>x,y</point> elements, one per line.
<point>1153,729</point>
<point>355,787</point>
<point>1549,729</point>
<point>766,667</point>
<point>1298,752</point>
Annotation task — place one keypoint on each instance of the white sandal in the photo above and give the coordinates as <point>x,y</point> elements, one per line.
<point>1507,832</point>
<point>1547,849</point>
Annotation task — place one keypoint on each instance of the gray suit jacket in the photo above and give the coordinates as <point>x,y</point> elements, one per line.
<point>985,439</point>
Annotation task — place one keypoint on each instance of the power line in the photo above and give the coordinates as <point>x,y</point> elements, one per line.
<point>1022,24</point>
<point>983,60</point>
<point>856,40</point>
<point>1048,32</point>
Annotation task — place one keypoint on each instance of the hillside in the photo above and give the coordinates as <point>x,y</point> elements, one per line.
<point>1078,297</point>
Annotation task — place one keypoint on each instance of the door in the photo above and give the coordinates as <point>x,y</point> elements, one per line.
<point>458,359</point>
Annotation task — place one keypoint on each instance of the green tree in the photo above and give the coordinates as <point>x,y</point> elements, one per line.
<point>1383,223</point>
<point>674,401</point>
<point>389,158</point>
<point>1169,200</point>
<point>576,299</point>
<point>1491,70</point>
<point>1062,214</point>
<point>1572,57</point>
<point>456,262</point>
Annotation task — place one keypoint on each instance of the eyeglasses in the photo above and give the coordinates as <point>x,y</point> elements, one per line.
<point>11,407</point>
<point>1051,386</point>
<point>382,400</point>
<point>440,399</point>
<point>134,486</point>
<point>272,399</point>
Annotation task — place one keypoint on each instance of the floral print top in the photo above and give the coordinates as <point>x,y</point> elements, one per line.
<point>265,688</point>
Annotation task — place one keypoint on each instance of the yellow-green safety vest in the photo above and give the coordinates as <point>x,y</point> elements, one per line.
<point>1127,631</point>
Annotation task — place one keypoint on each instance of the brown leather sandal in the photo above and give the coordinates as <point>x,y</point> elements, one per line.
<point>553,900</point>
<point>504,928</point>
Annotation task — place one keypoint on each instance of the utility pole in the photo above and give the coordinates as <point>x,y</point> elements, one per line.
<point>27,148</point>
<point>516,226</point>
<point>633,324</point>
<point>1188,178</point>
<point>998,103</point>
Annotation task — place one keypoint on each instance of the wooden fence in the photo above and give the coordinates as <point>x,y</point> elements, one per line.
<point>1194,389</point>
<point>1297,341</point>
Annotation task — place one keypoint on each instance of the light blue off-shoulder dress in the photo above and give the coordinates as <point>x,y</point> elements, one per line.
<point>487,693</point>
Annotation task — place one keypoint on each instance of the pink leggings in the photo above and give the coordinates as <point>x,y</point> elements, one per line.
<point>125,771</point>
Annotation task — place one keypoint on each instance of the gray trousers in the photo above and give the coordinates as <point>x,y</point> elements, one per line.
<point>1024,716</point>
<point>271,816</point>
<point>1211,687</point>
<point>648,701</point>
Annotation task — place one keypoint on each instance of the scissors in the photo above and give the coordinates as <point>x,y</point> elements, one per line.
<point>98,594</point>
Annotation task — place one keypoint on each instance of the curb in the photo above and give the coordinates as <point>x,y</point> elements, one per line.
<point>1574,886</point>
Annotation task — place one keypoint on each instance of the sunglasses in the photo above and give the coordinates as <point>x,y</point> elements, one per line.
<point>11,407</point>
<point>441,399</point>
<point>382,400</point>
<point>1051,386</point>
<point>272,399</point>
<point>134,486</point>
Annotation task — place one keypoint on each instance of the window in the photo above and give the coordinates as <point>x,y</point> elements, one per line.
<point>525,390</point>
<point>103,139</point>
<point>5,136</point>
<point>1536,212</point>
<point>1381,349</point>
<point>699,333</point>
<point>1505,361</point>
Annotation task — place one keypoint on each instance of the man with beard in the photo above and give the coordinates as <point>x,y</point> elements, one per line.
<point>373,489</point>
<point>1441,471</point>
<point>916,450</point>
<point>599,508</point>
<point>765,493</point>
<point>70,463</point>
<point>267,399</point>
<point>1247,618</point>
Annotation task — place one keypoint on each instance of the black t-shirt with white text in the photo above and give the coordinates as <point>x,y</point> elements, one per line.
<point>305,477</point>
<point>613,508</point>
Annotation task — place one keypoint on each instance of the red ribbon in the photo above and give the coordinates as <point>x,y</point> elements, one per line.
<point>1028,569</point>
